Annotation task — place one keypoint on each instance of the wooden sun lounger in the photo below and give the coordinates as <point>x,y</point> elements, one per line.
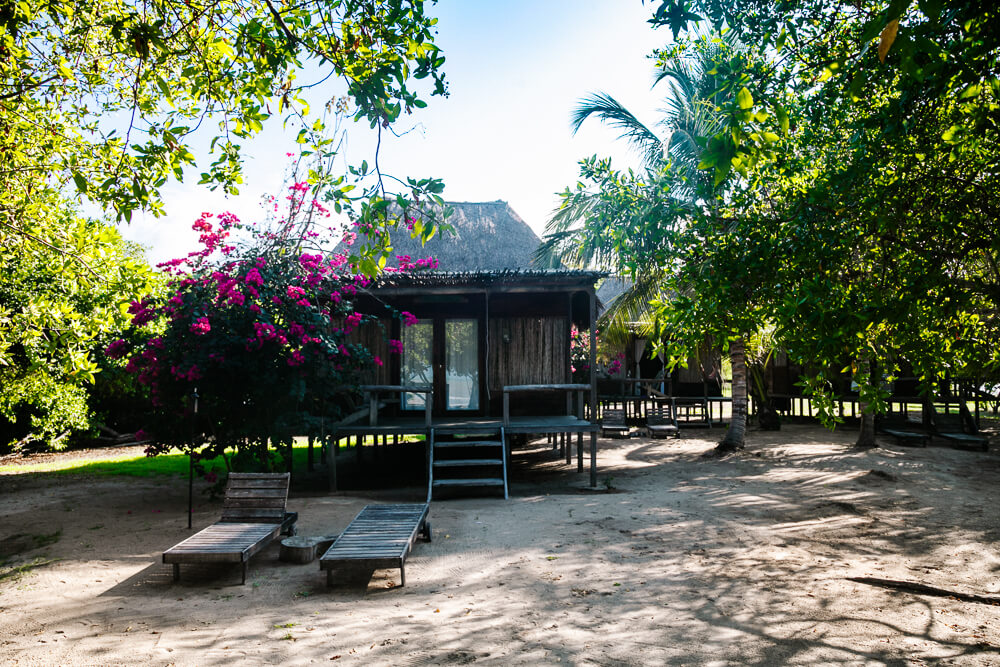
<point>253,515</point>
<point>967,441</point>
<point>613,424</point>
<point>660,422</point>
<point>904,431</point>
<point>955,429</point>
<point>380,536</point>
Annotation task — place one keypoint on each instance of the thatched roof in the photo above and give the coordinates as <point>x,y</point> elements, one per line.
<point>501,279</point>
<point>487,236</point>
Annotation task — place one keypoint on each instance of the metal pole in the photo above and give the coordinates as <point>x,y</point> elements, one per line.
<point>190,487</point>
<point>194,421</point>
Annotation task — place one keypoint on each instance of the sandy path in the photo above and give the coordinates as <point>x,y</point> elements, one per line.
<point>685,561</point>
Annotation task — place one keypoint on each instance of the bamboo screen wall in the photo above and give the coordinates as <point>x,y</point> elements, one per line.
<point>536,354</point>
<point>373,336</point>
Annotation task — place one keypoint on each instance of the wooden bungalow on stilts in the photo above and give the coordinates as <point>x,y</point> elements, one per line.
<point>487,358</point>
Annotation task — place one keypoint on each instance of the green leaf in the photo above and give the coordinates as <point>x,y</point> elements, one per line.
<point>782,115</point>
<point>81,182</point>
<point>744,98</point>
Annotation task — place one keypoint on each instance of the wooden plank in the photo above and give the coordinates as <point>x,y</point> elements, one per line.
<point>546,387</point>
<point>279,493</point>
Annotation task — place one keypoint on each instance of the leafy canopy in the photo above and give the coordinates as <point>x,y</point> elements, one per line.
<point>112,96</point>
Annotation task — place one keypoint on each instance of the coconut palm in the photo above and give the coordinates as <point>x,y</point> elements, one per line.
<point>576,236</point>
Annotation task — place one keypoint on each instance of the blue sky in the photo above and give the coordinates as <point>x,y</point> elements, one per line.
<point>515,70</point>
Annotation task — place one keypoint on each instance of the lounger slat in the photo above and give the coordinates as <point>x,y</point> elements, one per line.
<point>257,494</point>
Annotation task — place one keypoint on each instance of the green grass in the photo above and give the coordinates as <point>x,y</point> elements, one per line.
<point>174,463</point>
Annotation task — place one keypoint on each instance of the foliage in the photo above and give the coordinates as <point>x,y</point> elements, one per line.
<point>875,192</point>
<point>177,75</point>
<point>113,98</point>
<point>257,340</point>
<point>664,227</point>
<point>57,312</point>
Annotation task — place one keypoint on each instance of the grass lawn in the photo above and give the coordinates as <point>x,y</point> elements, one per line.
<point>139,465</point>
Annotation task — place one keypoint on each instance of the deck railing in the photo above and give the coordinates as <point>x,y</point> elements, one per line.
<point>580,390</point>
<point>372,392</point>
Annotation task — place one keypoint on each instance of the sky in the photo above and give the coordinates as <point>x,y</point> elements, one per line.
<point>515,71</point>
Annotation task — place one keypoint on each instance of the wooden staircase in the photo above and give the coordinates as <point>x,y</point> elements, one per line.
<point>473,460</point>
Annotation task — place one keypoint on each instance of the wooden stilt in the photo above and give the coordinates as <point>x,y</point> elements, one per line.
<point>579,452</point>
<point>593,459</point>
<point>331,461</point>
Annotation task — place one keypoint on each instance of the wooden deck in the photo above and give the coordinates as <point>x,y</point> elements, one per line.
<point>540,425</point>
<point>380,536</point>
<point>407,426</point>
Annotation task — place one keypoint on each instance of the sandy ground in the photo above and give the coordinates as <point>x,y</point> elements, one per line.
<point>683,560</point>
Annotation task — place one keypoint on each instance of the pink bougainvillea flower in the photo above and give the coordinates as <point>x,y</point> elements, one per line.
<point>116,350</point>
<point>200,326</point>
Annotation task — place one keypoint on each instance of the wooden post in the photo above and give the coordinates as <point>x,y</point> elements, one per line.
<point>309,459</point>
<point>593,383</point>
<point>579,452</point>
<point>506,408</point>
<point>190,487</point>
<point>372,408</point>
<point>331,460</point>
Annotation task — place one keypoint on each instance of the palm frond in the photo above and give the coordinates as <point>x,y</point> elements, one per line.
<point>630,311</point>
<point>611,112</point>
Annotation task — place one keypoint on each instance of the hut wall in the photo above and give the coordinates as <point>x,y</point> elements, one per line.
<point>535,354</point>
<point>374,336</point>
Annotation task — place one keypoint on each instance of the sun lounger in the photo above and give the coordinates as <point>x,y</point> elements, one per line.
<point>380,536</point>
<point>955,429</point>
<point>613,424</point>
<point>903,430</point>
<point>253,515</point>
<point>660,422</point>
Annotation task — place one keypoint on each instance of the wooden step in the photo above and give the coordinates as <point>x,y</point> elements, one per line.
<point>468,443</point>
<point>454,463</point>
<point>486,481</point>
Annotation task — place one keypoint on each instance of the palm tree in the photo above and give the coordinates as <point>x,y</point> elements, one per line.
<point>693,96</point>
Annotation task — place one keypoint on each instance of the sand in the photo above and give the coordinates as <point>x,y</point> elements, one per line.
<point>677,560</point>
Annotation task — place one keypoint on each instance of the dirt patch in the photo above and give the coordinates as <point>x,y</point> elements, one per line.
<point>745,559</point>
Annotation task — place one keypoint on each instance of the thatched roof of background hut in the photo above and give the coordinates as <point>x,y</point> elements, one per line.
<point>487,236</point>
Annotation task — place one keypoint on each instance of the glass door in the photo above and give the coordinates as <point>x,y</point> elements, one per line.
<point>461,350</point>
<point>442,353</point>
<point>417,367</point>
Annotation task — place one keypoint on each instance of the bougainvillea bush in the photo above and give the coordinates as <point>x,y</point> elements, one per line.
<point>254,335</point>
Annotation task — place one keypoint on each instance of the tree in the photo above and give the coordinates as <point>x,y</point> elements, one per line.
<point>57,314</point>
<point>111,96</point>
<point>108,100</point>
<point>884,199</point>
<point>654,226</point>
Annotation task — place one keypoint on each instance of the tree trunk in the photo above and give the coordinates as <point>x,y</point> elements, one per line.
<point>866,436</point>
<point>735,436</point>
